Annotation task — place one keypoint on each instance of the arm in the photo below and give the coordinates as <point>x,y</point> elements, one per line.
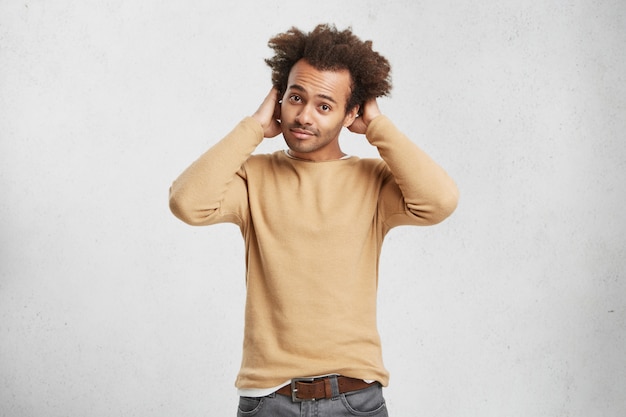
<point>198,193</point>
<point>428,193</point>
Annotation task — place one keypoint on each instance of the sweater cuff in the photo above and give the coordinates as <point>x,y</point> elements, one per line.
<point>253,125</point>
<point>379,128</point>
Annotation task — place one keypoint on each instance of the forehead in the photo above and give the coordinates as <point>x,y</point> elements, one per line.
<point>313,82</point>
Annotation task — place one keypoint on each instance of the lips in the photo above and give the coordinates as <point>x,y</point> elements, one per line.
<point>301,133</point>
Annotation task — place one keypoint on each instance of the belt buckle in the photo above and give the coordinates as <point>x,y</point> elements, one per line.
<point>294,390</point>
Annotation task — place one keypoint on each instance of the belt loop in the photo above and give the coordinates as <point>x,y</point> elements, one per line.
<point>334,386</point>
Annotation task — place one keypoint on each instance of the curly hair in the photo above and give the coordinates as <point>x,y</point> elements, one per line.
<point>327,49</point>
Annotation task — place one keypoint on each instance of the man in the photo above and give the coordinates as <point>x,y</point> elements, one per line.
<point>313,220</point>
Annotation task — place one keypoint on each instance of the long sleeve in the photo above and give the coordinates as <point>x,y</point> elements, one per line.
<point>197,194</point>
<point>427,190</point>
<point>313,234</point>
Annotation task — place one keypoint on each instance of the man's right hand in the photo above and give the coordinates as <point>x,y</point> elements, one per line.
<point>268,114</point>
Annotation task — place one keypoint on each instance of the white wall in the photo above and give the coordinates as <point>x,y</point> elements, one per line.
<point>109,306</point>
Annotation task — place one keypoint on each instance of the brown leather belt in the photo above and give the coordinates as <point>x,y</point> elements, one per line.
<point>307,389</point>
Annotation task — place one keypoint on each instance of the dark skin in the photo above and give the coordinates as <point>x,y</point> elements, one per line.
<point>301,105</point>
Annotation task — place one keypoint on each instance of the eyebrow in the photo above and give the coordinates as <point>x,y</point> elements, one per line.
<point>302,89</point>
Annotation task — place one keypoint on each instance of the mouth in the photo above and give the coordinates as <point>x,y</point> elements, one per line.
<point>301,133</point>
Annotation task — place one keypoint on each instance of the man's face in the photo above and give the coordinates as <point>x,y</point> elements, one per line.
<point>313,111</point>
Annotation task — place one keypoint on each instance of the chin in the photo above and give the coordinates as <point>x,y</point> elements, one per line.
<point>292,143</point>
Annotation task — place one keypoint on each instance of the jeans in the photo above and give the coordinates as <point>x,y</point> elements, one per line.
<point>366,402</point>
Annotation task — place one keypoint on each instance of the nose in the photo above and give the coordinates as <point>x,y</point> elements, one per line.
<point>304,116</point>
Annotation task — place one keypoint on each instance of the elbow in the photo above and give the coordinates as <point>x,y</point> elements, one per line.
<point>179,210</point>
<point>439,208</point>
<point>446,204</point>
<point>183,210</point>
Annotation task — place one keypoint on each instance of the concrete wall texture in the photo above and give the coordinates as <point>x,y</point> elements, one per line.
<point>109,306</point>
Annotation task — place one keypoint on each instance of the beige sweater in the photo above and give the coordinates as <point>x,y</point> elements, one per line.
<point>313,233</point>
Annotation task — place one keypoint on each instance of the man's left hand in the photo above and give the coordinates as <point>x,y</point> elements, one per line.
<point>369,113</point>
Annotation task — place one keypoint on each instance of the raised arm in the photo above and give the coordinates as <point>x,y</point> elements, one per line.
<point>427,190</point>
<point>198,193</point>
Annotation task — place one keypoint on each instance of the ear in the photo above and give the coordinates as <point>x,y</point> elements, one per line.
<point>278,110</point>
<point>351,116</point>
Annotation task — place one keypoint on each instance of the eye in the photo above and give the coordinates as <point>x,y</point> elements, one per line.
<point>294,98</point>
<point>325,108</point>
